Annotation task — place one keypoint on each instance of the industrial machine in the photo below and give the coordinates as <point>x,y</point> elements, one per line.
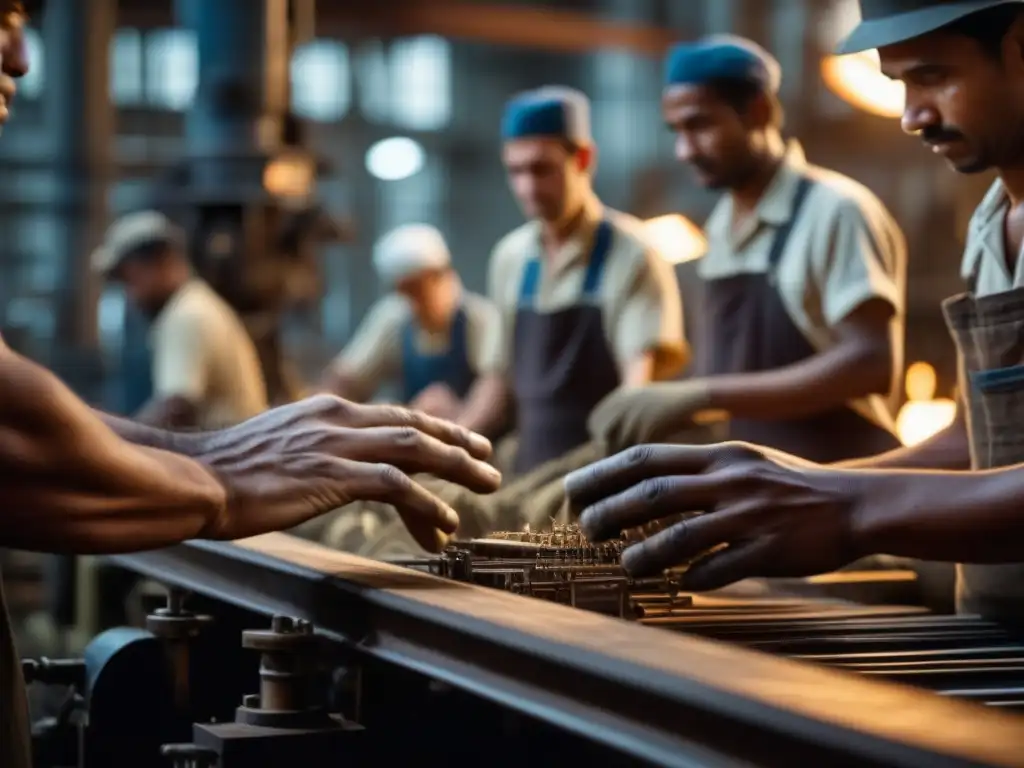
<point>530,649</point>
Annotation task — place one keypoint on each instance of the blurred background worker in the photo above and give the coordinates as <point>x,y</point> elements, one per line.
<point>803,279</point>
<point>205,370</point>
<point>588,304</point>
<point>438,342</point>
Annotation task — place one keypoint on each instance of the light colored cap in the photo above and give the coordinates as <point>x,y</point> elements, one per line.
<point>409,250</point>
<point>131,232</point>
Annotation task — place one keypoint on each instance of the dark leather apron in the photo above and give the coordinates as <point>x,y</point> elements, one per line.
<point>420,370</point>
<point>15,735</point>
<point>989,333</point>
<point>562,365</point>
<point>747,328</point>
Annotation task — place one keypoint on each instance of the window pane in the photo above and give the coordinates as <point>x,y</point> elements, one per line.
<point>126,67</point>
<point>372,81</point>
<point>421,83</point>
<point>172,68</point>
<point>321,82</point>
<point>31,85</point>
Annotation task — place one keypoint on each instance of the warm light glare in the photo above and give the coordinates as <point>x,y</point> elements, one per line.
<point>858,80</point>
<point>395,159</point>
<point>923,416</point>
<point>289,176</point>
<point>676,238</point>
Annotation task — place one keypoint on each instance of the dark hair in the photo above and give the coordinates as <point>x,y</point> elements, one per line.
<point>150,250</point>
<point>988,27</point>
<point>741,94</point>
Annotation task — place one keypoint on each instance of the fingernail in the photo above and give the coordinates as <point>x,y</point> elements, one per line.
<point>441,540</point>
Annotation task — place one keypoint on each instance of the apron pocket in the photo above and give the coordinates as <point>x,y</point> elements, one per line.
<point>1000,394</point>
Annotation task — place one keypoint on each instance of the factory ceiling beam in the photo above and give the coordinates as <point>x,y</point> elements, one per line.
<point>496,24</point>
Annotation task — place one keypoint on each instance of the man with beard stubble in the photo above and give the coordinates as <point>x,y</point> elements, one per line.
<point>963,67</point>
<point>75,480</point>
<point>803,279</point>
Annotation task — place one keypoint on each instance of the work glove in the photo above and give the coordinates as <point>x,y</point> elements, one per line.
<point>634,415</point>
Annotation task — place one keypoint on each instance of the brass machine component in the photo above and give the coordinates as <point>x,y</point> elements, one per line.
<point>177,626</point>
<point>560,565</point>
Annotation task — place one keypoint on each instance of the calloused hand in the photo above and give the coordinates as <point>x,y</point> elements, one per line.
<point>295,462</point>
<point>775,514</point>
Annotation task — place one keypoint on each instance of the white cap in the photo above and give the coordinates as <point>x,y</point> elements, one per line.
<point>409,250</point>
<point>131,232</point>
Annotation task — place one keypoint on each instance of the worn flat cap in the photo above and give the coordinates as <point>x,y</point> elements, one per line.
<point>410,250</point>
<point>132,232</point>
<point>887,22</point>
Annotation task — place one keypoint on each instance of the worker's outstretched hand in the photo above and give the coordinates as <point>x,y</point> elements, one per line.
<point>295,462</point>
<point>777,515</point>
<point>635,415</point>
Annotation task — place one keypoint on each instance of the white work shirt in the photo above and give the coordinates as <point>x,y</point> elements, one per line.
<point>844,249</point>
<point>984,266</point>
<point>202,352</point>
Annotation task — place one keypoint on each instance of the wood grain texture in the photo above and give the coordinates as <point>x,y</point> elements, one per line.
<point>891,712</point>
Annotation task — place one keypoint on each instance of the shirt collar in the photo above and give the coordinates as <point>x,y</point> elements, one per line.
<point>577,248</point>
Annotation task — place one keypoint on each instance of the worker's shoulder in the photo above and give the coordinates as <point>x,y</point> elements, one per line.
<point>517,244</point>
<point>391,309</point>
<point>632,248</point>
<point>835,196</point>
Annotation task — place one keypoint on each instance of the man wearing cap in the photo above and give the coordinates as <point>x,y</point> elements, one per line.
<point>803,278</point>
<point>439,342</point>
<point>963,66</point>
<point>205,370</point>
<point>588,305</point>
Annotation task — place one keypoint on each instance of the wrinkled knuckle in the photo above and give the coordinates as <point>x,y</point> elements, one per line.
<point>391,478</point>
<point>408,436</point>
<point>651,489</point>
<point>638,454</point>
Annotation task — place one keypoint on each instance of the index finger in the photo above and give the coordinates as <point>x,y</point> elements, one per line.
<point>477,446</point>
<point>615,474</point>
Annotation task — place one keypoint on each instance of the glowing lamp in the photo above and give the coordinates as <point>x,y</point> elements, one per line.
<point>858,80</point>
<point>676,238</point>
<point>923,415</point>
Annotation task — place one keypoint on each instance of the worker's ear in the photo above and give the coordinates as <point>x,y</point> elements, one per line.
<point>586,158</point>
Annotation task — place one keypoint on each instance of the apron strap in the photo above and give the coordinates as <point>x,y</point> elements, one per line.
<point>591,280</point>
<point>598,256</point>
<point>783,232</point>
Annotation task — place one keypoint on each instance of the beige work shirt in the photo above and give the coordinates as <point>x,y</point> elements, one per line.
<point>984,265</point>
<point>202,352</point>
<point>374,355</point>
<point>639,297</point>
<point>844,249</point>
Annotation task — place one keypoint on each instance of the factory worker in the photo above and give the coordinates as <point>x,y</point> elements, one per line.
<point>205,370</point>
<point>802,341</point>
<point>963,67</point>
<point>587,305</point>
<point>439,342</point>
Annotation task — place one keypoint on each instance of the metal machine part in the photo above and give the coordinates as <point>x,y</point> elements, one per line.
<point>640,695</point>
<point>177,627</point>
<point>285,719</point>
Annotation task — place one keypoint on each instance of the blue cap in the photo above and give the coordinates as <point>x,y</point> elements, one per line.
<point>554,111</point>
<point>723,57</point>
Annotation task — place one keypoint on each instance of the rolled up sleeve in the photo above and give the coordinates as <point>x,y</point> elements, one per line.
<point>864,259</point>
<point>650,318</point>
<point>181,358</point>
<point>375,351</point>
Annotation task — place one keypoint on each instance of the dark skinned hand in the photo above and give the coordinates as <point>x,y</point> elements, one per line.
<point>295,462</point>
<point>777,515</point>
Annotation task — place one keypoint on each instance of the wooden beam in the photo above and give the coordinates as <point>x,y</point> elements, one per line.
<point>528,27</point>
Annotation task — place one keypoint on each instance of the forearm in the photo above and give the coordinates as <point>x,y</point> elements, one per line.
<point>72,485</point>
<point>974,517</point>
<point>948,449</point>
<point>484,408</point>
<point>819,383</point>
